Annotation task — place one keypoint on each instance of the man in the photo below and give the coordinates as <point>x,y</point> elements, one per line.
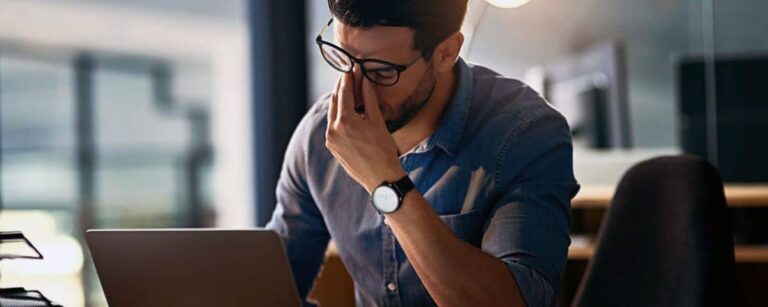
<point>440,182</point>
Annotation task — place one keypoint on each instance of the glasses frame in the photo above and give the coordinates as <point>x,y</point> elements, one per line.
<point>398,68</point>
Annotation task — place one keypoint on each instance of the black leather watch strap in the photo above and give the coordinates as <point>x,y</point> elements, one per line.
<point>403,186</point>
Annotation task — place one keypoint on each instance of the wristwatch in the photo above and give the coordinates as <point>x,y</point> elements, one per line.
<point>388,196</point>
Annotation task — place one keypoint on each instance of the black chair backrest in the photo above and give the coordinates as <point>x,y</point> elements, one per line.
<point>665,241</point>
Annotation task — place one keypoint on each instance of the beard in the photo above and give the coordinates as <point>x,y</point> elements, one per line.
<point>407,110</point>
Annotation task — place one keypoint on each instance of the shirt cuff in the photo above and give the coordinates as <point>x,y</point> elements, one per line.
<point>536,290</point>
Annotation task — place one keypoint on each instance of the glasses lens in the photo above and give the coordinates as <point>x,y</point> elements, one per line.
<point>338,59</point>
<point>380,73</point>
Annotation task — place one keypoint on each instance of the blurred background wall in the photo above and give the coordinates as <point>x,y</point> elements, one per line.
<point>120,114</point>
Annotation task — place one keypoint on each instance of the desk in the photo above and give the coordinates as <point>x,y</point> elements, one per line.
<point>737,195</point>
<point>333,286</point>
<point>743,253</point>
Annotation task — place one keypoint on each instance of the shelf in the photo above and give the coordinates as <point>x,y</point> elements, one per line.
<point>580,252</point>
<point>738,196</point>
<point>751,254</point>
<point>744,253</point>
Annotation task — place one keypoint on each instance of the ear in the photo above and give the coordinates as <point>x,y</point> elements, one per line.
<point>447,53</point>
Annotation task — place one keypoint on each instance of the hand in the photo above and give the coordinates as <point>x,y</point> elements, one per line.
<point>361,143</point>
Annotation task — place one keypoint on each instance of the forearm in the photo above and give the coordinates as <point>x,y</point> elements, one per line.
<point>454,272</point>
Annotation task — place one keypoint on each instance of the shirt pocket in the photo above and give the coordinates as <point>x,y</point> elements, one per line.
<point>467,226</point>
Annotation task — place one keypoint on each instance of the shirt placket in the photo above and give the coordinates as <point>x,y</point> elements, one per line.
<point>391,285</point>
<point>389,249</point>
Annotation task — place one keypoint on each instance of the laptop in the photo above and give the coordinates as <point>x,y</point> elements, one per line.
<point>192,267</point>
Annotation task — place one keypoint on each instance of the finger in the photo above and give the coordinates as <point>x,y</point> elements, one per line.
<point>332,109</point>
<point>371,101</point>
<point>346,101</point>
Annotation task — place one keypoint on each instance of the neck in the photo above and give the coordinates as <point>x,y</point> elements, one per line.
<point>426,121</point>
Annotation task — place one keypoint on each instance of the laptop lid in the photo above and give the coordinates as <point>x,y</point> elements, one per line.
<point>192,267</point>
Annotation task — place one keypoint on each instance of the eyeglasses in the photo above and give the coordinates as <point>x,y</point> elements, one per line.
<point>377,71</point>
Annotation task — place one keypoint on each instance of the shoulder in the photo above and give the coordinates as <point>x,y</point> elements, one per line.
<point>316,116</point>
<point>518,124</point>
<point>507,104</point>
<point>313,124</point>
<point>308,140</point>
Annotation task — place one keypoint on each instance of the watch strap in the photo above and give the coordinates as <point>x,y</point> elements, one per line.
<point>403,186</point>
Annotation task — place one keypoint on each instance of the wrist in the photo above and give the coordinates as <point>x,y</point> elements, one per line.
<point>390,174</point>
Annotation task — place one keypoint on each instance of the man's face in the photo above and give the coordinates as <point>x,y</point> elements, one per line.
<point>401,102</point>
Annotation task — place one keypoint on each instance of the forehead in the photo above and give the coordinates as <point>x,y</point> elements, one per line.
<point>378,40</point>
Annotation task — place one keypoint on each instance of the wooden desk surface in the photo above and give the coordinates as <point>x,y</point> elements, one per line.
<point>738,196</point>
<point>743,253</point>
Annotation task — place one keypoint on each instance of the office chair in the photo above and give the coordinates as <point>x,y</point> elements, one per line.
<point>665,241</point>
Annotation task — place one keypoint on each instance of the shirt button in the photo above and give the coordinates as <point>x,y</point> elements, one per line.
<point>391,286</point>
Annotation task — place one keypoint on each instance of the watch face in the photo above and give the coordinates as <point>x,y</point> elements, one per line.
<point>385,199</point>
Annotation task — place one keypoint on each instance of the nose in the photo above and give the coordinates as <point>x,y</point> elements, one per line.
<point>357,75</point>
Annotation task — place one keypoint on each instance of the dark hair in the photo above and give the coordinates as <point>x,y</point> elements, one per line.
<point>432,20</point>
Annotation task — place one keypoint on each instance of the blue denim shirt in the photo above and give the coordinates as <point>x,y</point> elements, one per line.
<point>497,170</point>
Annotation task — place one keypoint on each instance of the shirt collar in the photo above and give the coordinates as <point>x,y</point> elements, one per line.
<point>449,131</point>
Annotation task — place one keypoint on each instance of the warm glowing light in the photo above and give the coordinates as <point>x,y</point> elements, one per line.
<point>508,4</point>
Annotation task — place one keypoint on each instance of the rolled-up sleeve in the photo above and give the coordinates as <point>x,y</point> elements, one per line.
<point>529,225</point>
<point>296,218</point>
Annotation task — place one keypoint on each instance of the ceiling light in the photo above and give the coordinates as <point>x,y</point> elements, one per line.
<point>508,4</point>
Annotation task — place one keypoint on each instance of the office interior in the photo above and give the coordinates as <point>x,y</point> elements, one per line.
<point>176,114</point>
